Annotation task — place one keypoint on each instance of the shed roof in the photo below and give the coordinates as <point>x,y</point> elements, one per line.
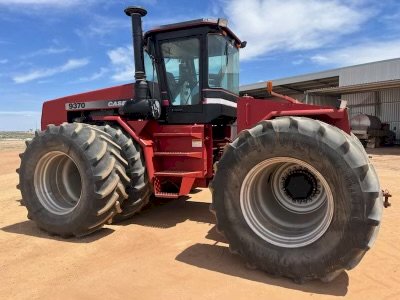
<point>324,80</point>
<point>356,88</point>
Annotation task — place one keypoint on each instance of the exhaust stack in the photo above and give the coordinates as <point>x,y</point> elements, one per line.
<point>142,107</point>
<point>141,86</point>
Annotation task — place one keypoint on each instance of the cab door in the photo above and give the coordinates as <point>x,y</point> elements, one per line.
<point>181,61</point>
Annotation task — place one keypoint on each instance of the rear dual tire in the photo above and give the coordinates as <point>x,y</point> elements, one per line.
<point>139,187</point>
<point>296,239</point>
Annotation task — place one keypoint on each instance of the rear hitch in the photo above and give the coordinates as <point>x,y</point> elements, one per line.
<point>387,195</point>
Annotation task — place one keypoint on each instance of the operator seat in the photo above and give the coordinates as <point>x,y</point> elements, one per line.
<point>172,85</point>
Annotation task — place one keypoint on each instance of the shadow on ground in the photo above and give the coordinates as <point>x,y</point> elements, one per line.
<point>29,228</point>
<point>217,258</point>
<point>161,213</point>
<point>167,213</point>
<point>20,201</point>
<point>393,150</point>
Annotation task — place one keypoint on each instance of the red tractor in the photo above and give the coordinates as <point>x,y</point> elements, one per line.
<point>292,190</point>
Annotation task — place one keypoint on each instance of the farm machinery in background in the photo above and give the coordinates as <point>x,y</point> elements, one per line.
<point>293,191</point>
<point>371,131</point>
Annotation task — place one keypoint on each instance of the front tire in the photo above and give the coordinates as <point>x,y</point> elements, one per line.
<point>72,179</point>
<point>297,198</point>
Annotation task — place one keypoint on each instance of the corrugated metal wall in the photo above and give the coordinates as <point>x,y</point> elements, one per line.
<point>321,100</point>
<point>299,96</point>
<point>361,103</point>
<point>316,99</point>
<point>372,72</point>
<point>384,104</point>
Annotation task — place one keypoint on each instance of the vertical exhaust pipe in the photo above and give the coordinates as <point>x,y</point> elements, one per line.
<point>141,87</point>
<point>142,107</point>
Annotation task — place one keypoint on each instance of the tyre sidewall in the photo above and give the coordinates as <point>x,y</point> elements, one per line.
<point>39,147</point>
<point>336,241</point>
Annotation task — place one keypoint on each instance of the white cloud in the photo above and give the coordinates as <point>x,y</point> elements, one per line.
<point>40,2</point>
<point>298,62</point>
<point>359,54</point>
<point>97,75</point>
<point>101,26</point>
<point>61,3</point>
<point>3,61</point>
<point>272,25</point>
<point>122,63</point>
<point>48,72</point>
<point>46,51</point>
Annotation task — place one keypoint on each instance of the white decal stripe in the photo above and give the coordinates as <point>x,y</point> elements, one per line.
<point>219,101</point>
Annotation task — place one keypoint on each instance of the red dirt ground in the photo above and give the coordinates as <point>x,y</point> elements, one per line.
<point>172,251</point>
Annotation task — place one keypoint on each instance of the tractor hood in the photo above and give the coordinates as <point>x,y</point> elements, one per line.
<point>55,111</point>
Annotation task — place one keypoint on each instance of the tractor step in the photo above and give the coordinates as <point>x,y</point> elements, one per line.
<point>179,174</point>
<point>182,154</point>
<point>179,158</point>
<point>167,195</point>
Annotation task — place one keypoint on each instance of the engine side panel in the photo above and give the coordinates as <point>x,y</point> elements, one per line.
<point>56,111</point>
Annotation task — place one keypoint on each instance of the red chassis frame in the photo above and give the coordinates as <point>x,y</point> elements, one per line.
<point>183,155</point>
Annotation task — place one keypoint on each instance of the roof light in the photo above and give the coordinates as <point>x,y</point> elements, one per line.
<point>222,22</point>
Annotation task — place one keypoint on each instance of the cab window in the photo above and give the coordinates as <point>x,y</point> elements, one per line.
<point>223,63</point>
<point>181,61</point>
<point>149,66</point>
<point>151,76</point>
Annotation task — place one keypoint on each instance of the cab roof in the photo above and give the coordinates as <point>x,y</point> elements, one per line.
<point>213,22</point>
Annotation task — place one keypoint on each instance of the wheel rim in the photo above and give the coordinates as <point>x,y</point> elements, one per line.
<point>286,202</point>
<point>58,183</point>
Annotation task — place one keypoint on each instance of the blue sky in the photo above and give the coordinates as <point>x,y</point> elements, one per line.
<point>53,48</point>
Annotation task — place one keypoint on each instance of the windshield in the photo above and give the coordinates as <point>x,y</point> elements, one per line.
<point>223,63</point>
<point>181,60</point>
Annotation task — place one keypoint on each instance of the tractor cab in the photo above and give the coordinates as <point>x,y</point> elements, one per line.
<point>191,70</point>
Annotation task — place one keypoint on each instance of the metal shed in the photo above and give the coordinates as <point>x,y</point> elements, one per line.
<point>372,88</point>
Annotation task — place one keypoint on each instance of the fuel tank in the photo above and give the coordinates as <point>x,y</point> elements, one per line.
<point>364,123</point>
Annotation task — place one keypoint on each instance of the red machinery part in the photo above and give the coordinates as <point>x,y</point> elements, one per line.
<point>250,111</point>
<point>54,111</point>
